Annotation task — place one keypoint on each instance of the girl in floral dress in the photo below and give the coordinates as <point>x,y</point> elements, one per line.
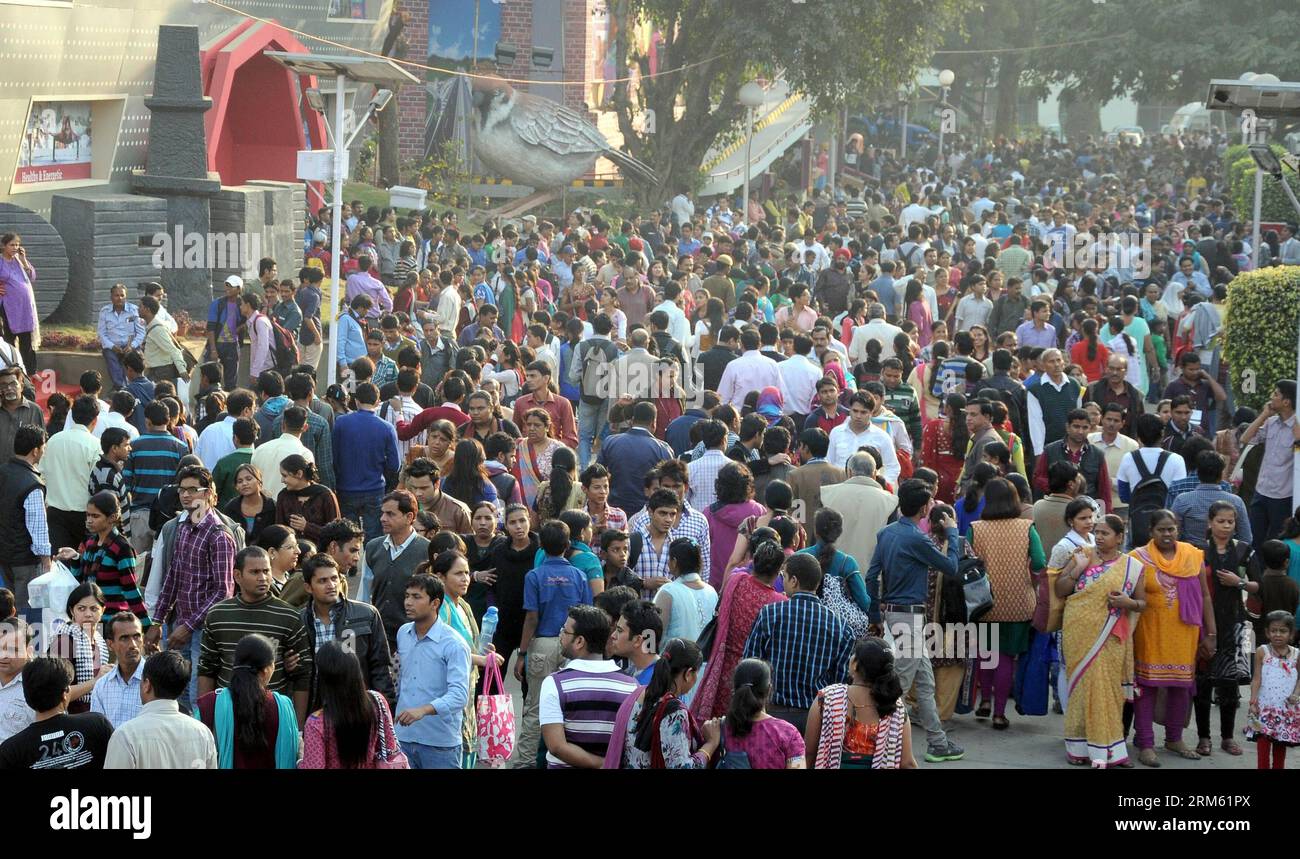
<point>1274,697</point>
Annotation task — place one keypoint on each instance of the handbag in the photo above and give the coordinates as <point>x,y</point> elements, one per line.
<point>387,757</point>
<point>1235,665</point>
<point>495,719</point>
<point>729,759</point>
<point>843,606</point>
<point>975,584</point>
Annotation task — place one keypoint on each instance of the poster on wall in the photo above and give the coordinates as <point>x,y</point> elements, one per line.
<point>56,143</point>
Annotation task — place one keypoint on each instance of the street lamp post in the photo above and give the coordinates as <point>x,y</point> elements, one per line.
<point>751,96</point>
<point>946,77</point>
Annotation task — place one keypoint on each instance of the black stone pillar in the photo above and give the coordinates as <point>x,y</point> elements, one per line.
<point>177,164</point>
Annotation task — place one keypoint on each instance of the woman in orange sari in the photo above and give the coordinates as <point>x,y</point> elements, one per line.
<point>1174,631</point>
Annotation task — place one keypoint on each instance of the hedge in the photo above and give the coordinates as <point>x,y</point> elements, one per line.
<point>1274,205</point>
<point>1259,331</point>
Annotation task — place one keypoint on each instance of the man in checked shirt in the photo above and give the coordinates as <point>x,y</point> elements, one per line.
<point>201,572</point>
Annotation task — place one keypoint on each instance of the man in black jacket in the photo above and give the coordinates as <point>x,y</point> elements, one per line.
<point>355,625</point>
<point>24,534</point>
<point>716,359</point>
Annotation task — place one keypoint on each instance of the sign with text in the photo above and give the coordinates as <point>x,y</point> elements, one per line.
<point>56,144</point>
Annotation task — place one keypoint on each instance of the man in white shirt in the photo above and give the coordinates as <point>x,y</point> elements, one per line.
<point>801,373</point>
<point>752,371</point>
<point>703,470</point>
<point>810,243</point>
<point>1150,431</point>
<point>975,307</point>
<point>448,303</point>
<point>876,329</point>
<point>858,431</point>
<point>679,327</point>
<point>682,209</point>
<point>162,737</point>
<point>15,651</point>
<point>217,439</point>
<point>1289,250</point>
<point>268,455</point>
<point>914,213</point>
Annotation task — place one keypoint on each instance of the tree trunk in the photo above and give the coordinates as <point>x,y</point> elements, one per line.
<point>1080,116</point>
<point>389,159</point>
<point>1008,95</point>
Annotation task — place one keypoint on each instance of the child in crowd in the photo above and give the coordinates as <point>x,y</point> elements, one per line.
<point>1274,722</point>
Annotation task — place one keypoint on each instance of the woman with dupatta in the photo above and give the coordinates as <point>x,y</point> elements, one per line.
<point>1103,591</point>
<point>742,597</point>
<point>1165,645</point>
<point>453,569</point>
<point>533,454</point>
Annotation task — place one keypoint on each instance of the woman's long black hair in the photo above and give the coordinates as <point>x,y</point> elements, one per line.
<point>981,474</point>
<point>253,654</point>
<point>751,687</point>
<point>1089,328</point>
<point>468,472</point>
<point>679,656</point>
<point>349,709</point>
<point>875,663</point>
<point>829,525</point>
<point>563,463</point>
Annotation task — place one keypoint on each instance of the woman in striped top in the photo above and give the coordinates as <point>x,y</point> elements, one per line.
<point>107,559</point>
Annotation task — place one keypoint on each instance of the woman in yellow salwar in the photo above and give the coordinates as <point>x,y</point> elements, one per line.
<point>1103,593</point>
<point>1175,630</point>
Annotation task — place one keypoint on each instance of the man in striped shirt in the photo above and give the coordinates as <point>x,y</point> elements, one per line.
<point>807,646</point>
<point>254,610</point>
<point>152,465</point>
<point>578,704</point>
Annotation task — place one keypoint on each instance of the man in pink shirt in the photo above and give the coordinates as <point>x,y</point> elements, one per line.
<point>365,283</point>
<point>261,348</point>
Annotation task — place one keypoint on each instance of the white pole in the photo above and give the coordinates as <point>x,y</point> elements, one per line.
<point>337,230</point>
<point>1255,239</point>
<point>943,100</point>
<point>902,146</point>
<point>749,146</point>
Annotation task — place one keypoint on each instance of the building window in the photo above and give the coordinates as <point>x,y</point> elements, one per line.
<point>462,31</point>
<point>354,11</point>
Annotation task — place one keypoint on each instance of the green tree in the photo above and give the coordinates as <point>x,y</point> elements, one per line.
<point>828,50</point>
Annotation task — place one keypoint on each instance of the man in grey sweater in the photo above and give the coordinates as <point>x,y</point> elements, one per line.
<point>390,560</point>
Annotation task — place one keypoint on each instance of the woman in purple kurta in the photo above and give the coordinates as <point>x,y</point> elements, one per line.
<point>17,300</point>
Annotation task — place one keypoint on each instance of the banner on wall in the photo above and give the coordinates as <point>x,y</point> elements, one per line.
<point>56,144</point>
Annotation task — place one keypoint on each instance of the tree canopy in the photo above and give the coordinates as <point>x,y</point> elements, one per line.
<point>828,50</point>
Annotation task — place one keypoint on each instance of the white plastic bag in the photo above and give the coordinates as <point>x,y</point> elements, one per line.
<point>50,590</point>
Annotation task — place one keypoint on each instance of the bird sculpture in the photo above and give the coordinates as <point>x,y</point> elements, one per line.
<point>539,142</point>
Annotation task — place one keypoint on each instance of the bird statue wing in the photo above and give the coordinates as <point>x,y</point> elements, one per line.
<point>543,122</point>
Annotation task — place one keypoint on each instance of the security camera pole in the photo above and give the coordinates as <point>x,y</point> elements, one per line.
<point>360,70</point>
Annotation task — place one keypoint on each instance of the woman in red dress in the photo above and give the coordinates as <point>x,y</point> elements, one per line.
<point>943,446</point>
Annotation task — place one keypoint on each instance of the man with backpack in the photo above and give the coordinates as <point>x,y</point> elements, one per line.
<point>589,370</point>
<point>224,320</point>
<point>261,336</point>
<point>1145,476</point>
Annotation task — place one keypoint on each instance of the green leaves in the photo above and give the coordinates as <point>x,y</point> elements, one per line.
<point>1259,332</point>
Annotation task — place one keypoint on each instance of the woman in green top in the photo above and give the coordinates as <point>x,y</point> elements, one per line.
<point>1013,555</point>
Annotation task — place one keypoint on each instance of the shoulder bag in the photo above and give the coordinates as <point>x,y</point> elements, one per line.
<point>388,753</point>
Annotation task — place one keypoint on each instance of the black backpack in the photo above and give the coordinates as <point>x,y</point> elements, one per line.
<point>1147,497</point>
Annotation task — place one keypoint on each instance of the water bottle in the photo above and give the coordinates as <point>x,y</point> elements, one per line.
<point>487,630</point>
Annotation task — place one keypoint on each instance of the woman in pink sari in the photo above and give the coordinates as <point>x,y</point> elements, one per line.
<point>742,598</point>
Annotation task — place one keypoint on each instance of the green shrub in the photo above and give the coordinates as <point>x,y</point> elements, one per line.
<point>1259,331</point>
<point>1274,205</point>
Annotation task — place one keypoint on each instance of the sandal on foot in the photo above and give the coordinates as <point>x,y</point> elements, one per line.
<point>1000,723</point>
<point>983,711</point>
<point>1125,764</point>
<point>1182,751</point>
<point>1204,747</point>
<point>1231,747</point>
<point>1147,757</point>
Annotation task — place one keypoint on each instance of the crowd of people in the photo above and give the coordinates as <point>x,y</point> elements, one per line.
<point>701,480</point>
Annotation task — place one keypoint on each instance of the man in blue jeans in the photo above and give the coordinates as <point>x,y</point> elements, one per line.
<point>365,452</point>
<point>434,681</point>
<point>597,354</point>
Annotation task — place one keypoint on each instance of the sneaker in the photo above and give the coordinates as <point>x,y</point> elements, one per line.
<point>948,752</point>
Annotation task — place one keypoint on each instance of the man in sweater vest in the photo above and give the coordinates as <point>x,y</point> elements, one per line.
<point>1050,399</point>
<point>578,705</point>
<point>391,561</point>
<point>24,532</point>
<point>1075,449</point>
